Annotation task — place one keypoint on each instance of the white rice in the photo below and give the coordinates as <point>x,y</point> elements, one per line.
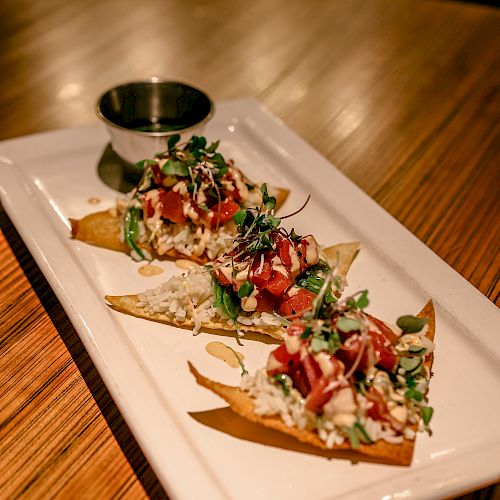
<point>189,240</point>
<point>269,399</point>
<point>189,297</point>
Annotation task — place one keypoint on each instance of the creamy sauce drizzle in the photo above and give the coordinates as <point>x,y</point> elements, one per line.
<point>93,200</point>
<point>150,270</point>
<point>186,264</point>
<point>224,353</point>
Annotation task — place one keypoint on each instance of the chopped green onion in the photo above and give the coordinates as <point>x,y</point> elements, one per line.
<point>353,436</point>
<point>362,434</point>
<point>413,394</point>
<point>282,381</point>
<point>131,230</point>
<point>245,290</point>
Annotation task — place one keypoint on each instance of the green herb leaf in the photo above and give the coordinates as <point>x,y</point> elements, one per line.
<point>231,306</point>
<point>282,381</point>
<point>348,324</point>
<point>218,291</point>
<point>213,147</point>
<point>144,164</point>
<point>414,394</point>
<point>245,290</point>
<point>268,201</point>
<point>409,364</point>
<point>131,230</point>
<point>353,437</point>
<point>294,236</point>
<point>362,301</point>
<point>417,349</point>
<point>239,217</point>
<point>362,434</point>
<point>173,140</point>
<point>426,412</point>
<point>318,345</point>
<point>196,143</point>
<point>411,324</point>
<point>175,167</point>
<point>307,333</point>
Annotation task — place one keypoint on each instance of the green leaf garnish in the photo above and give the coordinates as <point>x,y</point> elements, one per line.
<point>239,217</point>
<point>362,434</point>
<point>173,140</point>
<point>417,349</point>
<point>131,230</point>
<point>411,324</point>
<point>231,305</point>
<point>414,394</point>
<point>353,437</point>
<point>348,324</point>
<point>175,167</point>
<point>307,333</point>
<point>361,302</point>
<point>409,364</point>
<point>213,147</point>
<point>142,164</point>
<point>318,345</point>
<point>282,381</point>
<point>246,289</point>
<point>426,412</point>
<point>268,201</point>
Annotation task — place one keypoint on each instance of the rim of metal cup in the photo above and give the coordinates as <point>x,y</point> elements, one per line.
<point>154,81</point>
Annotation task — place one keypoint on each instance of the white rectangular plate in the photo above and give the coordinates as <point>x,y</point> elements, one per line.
<point>46,178</point>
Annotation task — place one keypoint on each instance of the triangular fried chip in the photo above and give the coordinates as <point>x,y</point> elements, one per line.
<point>242,404</point>
<point>343,254</point>
<point>102,229</point>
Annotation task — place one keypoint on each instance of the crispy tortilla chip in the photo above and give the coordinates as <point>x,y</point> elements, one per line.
<point>102,229</point>
<point>345,252</point>
<point>242,404</point>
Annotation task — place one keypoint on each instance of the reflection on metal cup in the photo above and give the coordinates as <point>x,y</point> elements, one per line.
<point>141,116</point>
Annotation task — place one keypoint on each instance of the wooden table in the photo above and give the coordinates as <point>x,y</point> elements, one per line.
<point>401,96</point>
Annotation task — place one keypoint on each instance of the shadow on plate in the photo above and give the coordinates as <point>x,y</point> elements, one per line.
<point>117,173</point>
<point>225,420</point>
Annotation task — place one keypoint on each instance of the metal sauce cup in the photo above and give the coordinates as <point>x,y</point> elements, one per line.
<point>141,116</point>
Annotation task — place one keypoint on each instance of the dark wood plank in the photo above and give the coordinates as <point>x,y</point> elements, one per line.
<point>401,96</point>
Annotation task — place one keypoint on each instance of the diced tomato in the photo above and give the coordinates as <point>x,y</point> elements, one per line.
<point>295,329</point>
<point>348,353</point>
<point>157,174</point>
<point>261,270</point>
<point>387,356</point>
<point>147,207</point>
<point>300,382</point>
<point>318,397</point>
<point>171,206</point>
<point>281,361</point>
<point>378,409</point>
<point>283,246</point>
<point>311,369</point>
<point>384,329</point>
<point>225,211</point>
<point>278,283</point>
<point>265,302</point>
<point>296,304</point>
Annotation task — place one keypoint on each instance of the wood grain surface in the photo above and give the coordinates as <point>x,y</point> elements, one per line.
<point>402,96</point>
